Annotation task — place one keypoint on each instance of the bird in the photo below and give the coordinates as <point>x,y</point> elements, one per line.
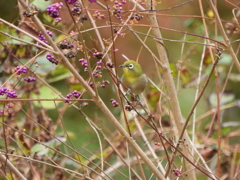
<point>133,79</point>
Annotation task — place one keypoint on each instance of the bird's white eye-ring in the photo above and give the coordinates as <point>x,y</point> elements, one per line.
<point>130,66</point>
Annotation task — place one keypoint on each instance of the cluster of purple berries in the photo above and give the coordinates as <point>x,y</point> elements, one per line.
<point>52,59</point>
<point>71,1</point>
<point>117,32</point>
<point>110,64</point>
<point>49,33</point>
<point>10,93</point>
<point>138,17</point>
<point>30,79</point>
<point>83,62</point>
<point>99,66</point>
<point>91,85</point>
<point>20,70</point>
<point>157,144</point>
<point>119,4</point>
<point>177,172</point>
<point>42,38</point>
<point>104,84</point>
<point>75,94</point>
<point>118,8</point>
<point>54,11</point>
<point>76,10</point>
<point>98,15</point>
<point>66,45</point>
<point>3,91</point>
<point>114,103</point>
<point>7,108</point>
<point>97,74</point>
<point>98,55</point>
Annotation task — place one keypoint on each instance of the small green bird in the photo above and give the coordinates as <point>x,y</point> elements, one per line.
<point>133,77</point>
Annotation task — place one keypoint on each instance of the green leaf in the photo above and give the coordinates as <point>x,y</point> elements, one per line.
<point>60,73</point>
<point>70,162</point>
<point>42,5</point>
<point>234,77</point>
<point>60,37</point>
<point>185,76</point>
<point>45,93</point>
<point>226,59</point>
<point>225,131</point>
<point>60,77</point>
<point>55,142</point>
<point>41,150</point>
<point>231,124</point>
<point>7,30</point>
<point>189,22</point>
<point>21,51</point>
<point>60,70</point>
<point>173,69</point>
<point>237,158</point>
<point>153,98</point>
<point>77,87</point>
<point>225,98</point>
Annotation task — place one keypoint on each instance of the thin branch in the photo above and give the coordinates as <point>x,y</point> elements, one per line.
<point>16,99</point>
<point>24,32</point>
<point>11,167</point>
<point>226,40</point>
<point>97,100</point>
<point>193,108</point>
<point>29,43</point>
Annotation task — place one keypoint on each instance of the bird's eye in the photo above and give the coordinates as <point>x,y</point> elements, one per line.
<point>130,66</point>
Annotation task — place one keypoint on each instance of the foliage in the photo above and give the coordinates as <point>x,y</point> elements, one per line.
<point>64,114</point>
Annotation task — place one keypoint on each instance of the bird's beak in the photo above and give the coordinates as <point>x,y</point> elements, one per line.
<point>123,66</point>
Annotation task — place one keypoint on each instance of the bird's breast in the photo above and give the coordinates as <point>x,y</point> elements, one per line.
<point>137,85</point>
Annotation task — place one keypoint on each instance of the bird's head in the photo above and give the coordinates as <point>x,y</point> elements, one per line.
<point>132,69</point>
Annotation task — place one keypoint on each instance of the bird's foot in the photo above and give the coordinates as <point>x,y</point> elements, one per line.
<point>136,100</point>
<point>128,91</point>
<point>138,103</point>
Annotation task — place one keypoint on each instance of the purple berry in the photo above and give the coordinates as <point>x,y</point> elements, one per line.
<point>23,70</point>
<point>91,1</point>
<point>71,1</point>
<point>54,10</point>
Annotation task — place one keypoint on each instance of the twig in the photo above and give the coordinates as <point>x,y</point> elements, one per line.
<point>192,110</point>
<point>16,99</point>
<point>176,150</point>
<point>4,160</point>
<point>29,43</point>
<point>171,88</point>
<point>33,37</point>
<point>97,100</point>
<point>226,40</point>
